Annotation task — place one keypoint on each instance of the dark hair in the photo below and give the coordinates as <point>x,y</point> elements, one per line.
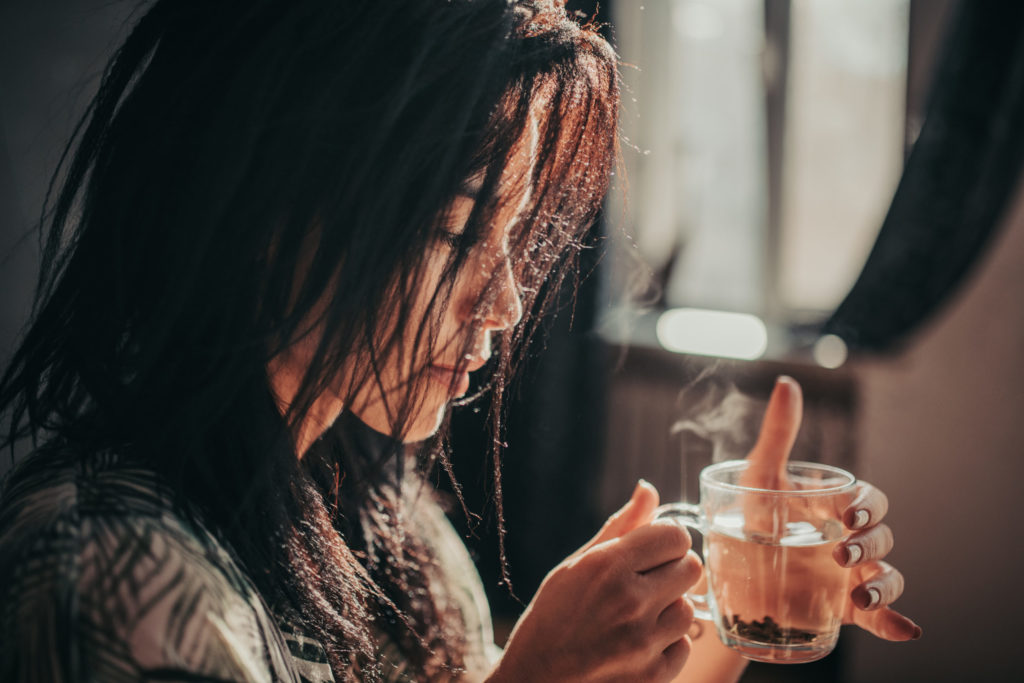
<point>249,169</point>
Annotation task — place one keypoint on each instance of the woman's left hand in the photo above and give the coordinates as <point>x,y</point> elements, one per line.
<point>876,583</point>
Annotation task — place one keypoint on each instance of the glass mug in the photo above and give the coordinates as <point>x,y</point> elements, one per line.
<point>774,591</point>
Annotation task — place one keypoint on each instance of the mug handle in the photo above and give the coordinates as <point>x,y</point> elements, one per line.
<point>690,516</point>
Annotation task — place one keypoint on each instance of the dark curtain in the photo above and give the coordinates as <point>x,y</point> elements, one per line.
<point>959,179</point>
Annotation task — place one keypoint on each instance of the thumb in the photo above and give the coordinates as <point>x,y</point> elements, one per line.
<point>637,511</point>
<point>778,433</point>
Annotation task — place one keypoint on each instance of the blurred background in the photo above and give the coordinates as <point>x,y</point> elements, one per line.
<point>821,188</point>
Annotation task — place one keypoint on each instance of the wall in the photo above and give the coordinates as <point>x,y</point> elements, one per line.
<point>941,429</point>
<point>51,54</point>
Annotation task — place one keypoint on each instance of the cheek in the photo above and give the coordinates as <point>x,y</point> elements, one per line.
<point>431,292</point>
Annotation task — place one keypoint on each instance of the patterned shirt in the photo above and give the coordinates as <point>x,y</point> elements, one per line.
<point>100,580</point>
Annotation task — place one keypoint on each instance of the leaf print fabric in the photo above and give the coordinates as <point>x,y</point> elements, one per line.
<point>102,578</point>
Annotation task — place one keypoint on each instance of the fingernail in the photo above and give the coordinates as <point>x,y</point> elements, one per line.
<point>853,555</point>
<point>917,633</point>
<point>641,483</point>
<point>860,519</point>
<point>874,597</point>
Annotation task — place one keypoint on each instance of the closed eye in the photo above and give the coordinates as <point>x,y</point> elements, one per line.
<point>462,239</point>
<point>452,239</point>
<point>452,231</point>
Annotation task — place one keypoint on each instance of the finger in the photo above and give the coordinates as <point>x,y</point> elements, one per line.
<point>865,546</point>
<point>888,624</point>
<point>655,544</point>
<point>672,660</point>
<point>778,433</point>
<point>669,581</point>
<point>637,511</point>
<point>673,623</point>
<point>868,507</point>
<point>884,587</point>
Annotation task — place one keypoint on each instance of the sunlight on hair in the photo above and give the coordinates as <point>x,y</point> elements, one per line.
<point>712,333</point>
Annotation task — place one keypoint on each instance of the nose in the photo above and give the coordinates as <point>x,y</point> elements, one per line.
<point>507,308</point>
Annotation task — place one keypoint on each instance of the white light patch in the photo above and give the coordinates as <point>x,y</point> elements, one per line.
<point>830,351</point>
<point>712,333</point>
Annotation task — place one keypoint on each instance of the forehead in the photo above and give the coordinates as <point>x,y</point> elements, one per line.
<point>517,170</point>
<point>523,156</point>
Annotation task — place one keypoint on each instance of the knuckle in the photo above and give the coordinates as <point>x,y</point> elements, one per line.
<point>602,561</point>
<point>666,665</point>
<point>898,582</point>
<point>675,535</point>
<point>678,618</point>
<point>675,622</point>
<point>656,671</point>
<point>684,646</point>
<point>884,567</point>
<point>687,572</point>
<point>693,565</point>
<point>686,610</point>
<point>888,540</point>
<point>634,599</point>
<point>881,501</point>
<point>878,541</point>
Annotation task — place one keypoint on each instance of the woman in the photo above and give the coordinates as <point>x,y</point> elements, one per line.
<point>288,233</point>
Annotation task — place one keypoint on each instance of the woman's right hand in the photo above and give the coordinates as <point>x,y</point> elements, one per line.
<point>612,611</point>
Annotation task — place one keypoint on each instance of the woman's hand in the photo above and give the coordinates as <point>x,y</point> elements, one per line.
<point>613,610</point>
<point>876,583</point>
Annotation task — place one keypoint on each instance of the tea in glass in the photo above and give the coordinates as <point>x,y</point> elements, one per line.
<point>779,598</point>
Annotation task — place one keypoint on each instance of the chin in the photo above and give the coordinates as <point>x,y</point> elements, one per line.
<point>426,424</point>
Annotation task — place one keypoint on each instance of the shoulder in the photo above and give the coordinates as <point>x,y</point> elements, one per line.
<point>102,578</point>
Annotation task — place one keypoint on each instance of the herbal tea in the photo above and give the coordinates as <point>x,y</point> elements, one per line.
<point>773,590</point>
<point>779,596</point>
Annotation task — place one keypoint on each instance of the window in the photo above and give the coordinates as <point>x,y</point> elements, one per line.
<point>765,139</point>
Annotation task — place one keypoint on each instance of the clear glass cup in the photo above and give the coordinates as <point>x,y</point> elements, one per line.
<point>773,589</point>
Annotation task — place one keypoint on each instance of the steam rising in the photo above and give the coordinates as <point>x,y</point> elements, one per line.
<point>717,412</point>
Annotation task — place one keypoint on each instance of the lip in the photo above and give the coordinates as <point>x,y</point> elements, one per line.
<point>453,380</point>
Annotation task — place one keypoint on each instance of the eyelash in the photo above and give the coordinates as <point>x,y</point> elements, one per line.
<point>452,239</point>
<point>458,240</point>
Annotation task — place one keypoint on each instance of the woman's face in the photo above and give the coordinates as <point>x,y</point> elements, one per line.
<point>461,332</point>
<point>439,372</point>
